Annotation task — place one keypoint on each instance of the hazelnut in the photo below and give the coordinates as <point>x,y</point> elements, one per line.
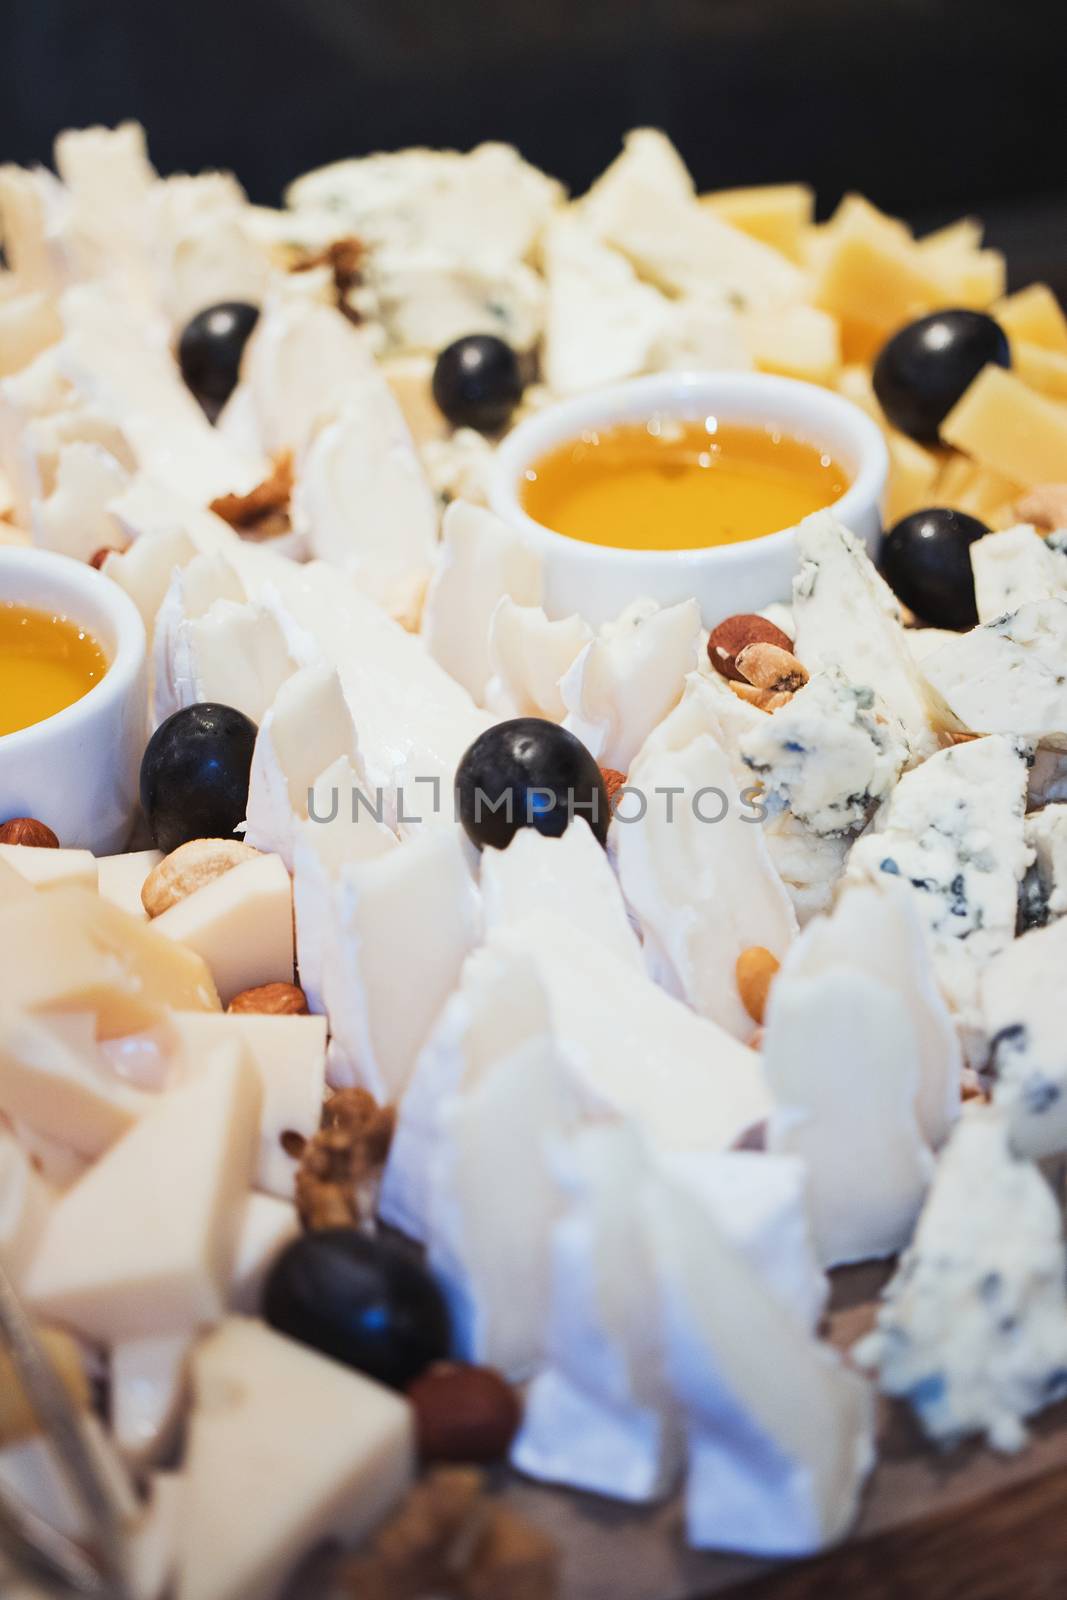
<point>726,641</point>
<point>463,1413</point>
<point>756,969</point>
<point>271,1000</point>
<point>613,782</point>
<point>28,831</point>
<point>98,557</point>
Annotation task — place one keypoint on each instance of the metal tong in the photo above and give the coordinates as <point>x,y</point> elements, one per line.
<point>34,1548</point>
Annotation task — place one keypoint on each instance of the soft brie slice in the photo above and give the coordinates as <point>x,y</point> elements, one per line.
<point>54,1079</point>
<point>52,869</point>
<point>146,1394</point>
<point>570,876</point>
<point>286,1449</point>
<point>528,656</point>
<point>627,679</point>
<point>1028,1049</point>
<point>99,960</point>
<point>403,925</point>
<point>119,1258</point>
<point>953,832</point>
<point>973,1329</point>
<point>1013,568</point>
<point>780,1433</point>
<point>482,561</point>
<point>695,870</point>
<point>241,924</point>
<point>847,617</point>
<point>289,1055</point>
<point>1006,676</point>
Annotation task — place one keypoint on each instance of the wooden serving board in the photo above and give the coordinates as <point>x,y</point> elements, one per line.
<point>969,1525</point>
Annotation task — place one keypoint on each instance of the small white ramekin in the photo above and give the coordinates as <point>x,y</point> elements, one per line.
<point>78,770</point>
<point>598,581</point>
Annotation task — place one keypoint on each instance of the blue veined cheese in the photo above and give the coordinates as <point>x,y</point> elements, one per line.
<point>973,1328</point>
<point>953,830</point>
<point>810,864</point>
<point>1009,675</point>
<point>1044,894</point>
<point>425,299</point>
<point>847,617</point>
<point>830,755</point>
<point>1028,1042</point>
<point>1013,568</point>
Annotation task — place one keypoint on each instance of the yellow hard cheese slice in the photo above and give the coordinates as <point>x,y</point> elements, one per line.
<point>1034,314</point>
<point>144,1243</point>
<point>1003,425</point>
<point>286,1449</point>
<point>1044,370</point>
<point>777,213</point>
<point>68,950</point>
<point>873,276</point>
<point>797,341</point>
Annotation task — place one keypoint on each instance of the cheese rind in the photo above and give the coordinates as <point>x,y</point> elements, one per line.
<point>286,1449</point>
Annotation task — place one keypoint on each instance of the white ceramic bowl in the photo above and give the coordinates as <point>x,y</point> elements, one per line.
<point>78,770</point>
<point>598,580</point>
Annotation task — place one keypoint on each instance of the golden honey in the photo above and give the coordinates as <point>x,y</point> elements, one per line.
<point>46,663</point>
<point>667,484</point>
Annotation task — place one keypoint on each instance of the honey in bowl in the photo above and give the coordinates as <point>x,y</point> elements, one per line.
<point>46,663</point>
<point>668,484</point>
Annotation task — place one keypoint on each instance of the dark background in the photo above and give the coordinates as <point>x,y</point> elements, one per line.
<point>932,107</point>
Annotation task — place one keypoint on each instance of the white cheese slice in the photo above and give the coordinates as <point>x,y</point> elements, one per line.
<point>707,706</point>
<point>570,876</point>
<point>52,869</point>
<point>54,1079</point>
<point>286,1449</point>
<point>29,324</point>
<point>1013,568</point>
<point>145,570</point>
<point>289,1055</point>
<point>118,1259</point>
<point>482,561</point>
<point>847,617</point>
<point>922,642</point>
<point>780,1433</point>
<point>147,1392</point>
<point>403,925</point>
<point>74,518</point>
<point>233,654</point>
<point>829,756</point>
<point>362,500</point>
<point>32,204</point>
<point>121,879</point>
<point>1028,1051</point>
<point>695,871</point>
<point>267,1226</point>
<point>203,251</point>
<point>13,885</point>
<point>1007,675</point>
<point>810,864</point>
<point>953,830</point>
<point>25,1199</point>
<point>1046,835</point>
<point>627,679</point>
<point>459,466</point>
<point>528,655</point>
<point>241,924</point>
<point>973,1329</point>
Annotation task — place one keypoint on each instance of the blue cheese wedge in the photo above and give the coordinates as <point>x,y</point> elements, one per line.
<point>1014,568</point>
<point>1045,887</point>
<point>973,1328</point>
<point>953,831</point>
<point>1028,1048</point>
<point>829,756</point>
<point>1008,675</point>
<point>847,617</point>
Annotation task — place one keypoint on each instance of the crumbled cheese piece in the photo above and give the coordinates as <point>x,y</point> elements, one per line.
<point>973,1329</point>
<point>829,756</point>
<point>1046,835</point>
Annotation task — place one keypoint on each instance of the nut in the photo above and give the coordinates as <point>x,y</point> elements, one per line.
<point>613,782</point>
<point>731,637</point>
<point>191,867</point>
<point>463,1413</point>
<point>271,1000</point>
<point>98,557</point>
<point>272,495</point>
<point>336,1182</point>
<point>1045,507</point>
<point>769,667</point>
<point>28,831</point>
<point>765,699</point>
<point>756,968</point>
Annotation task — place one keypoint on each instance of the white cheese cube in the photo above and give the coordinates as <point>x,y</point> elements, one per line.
<point>121,879</point>
<point>51,869</point>
<point>25,1200</point>
<point>286,1449</point>
<point>241,924</point>
<point>1007,675</point>
<point>267,1226</point>
<point>13,885</point>
<point>119,1258</point>
<point>147,1391</point>
<point>54,1078</point>
<point>973,1329</point>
